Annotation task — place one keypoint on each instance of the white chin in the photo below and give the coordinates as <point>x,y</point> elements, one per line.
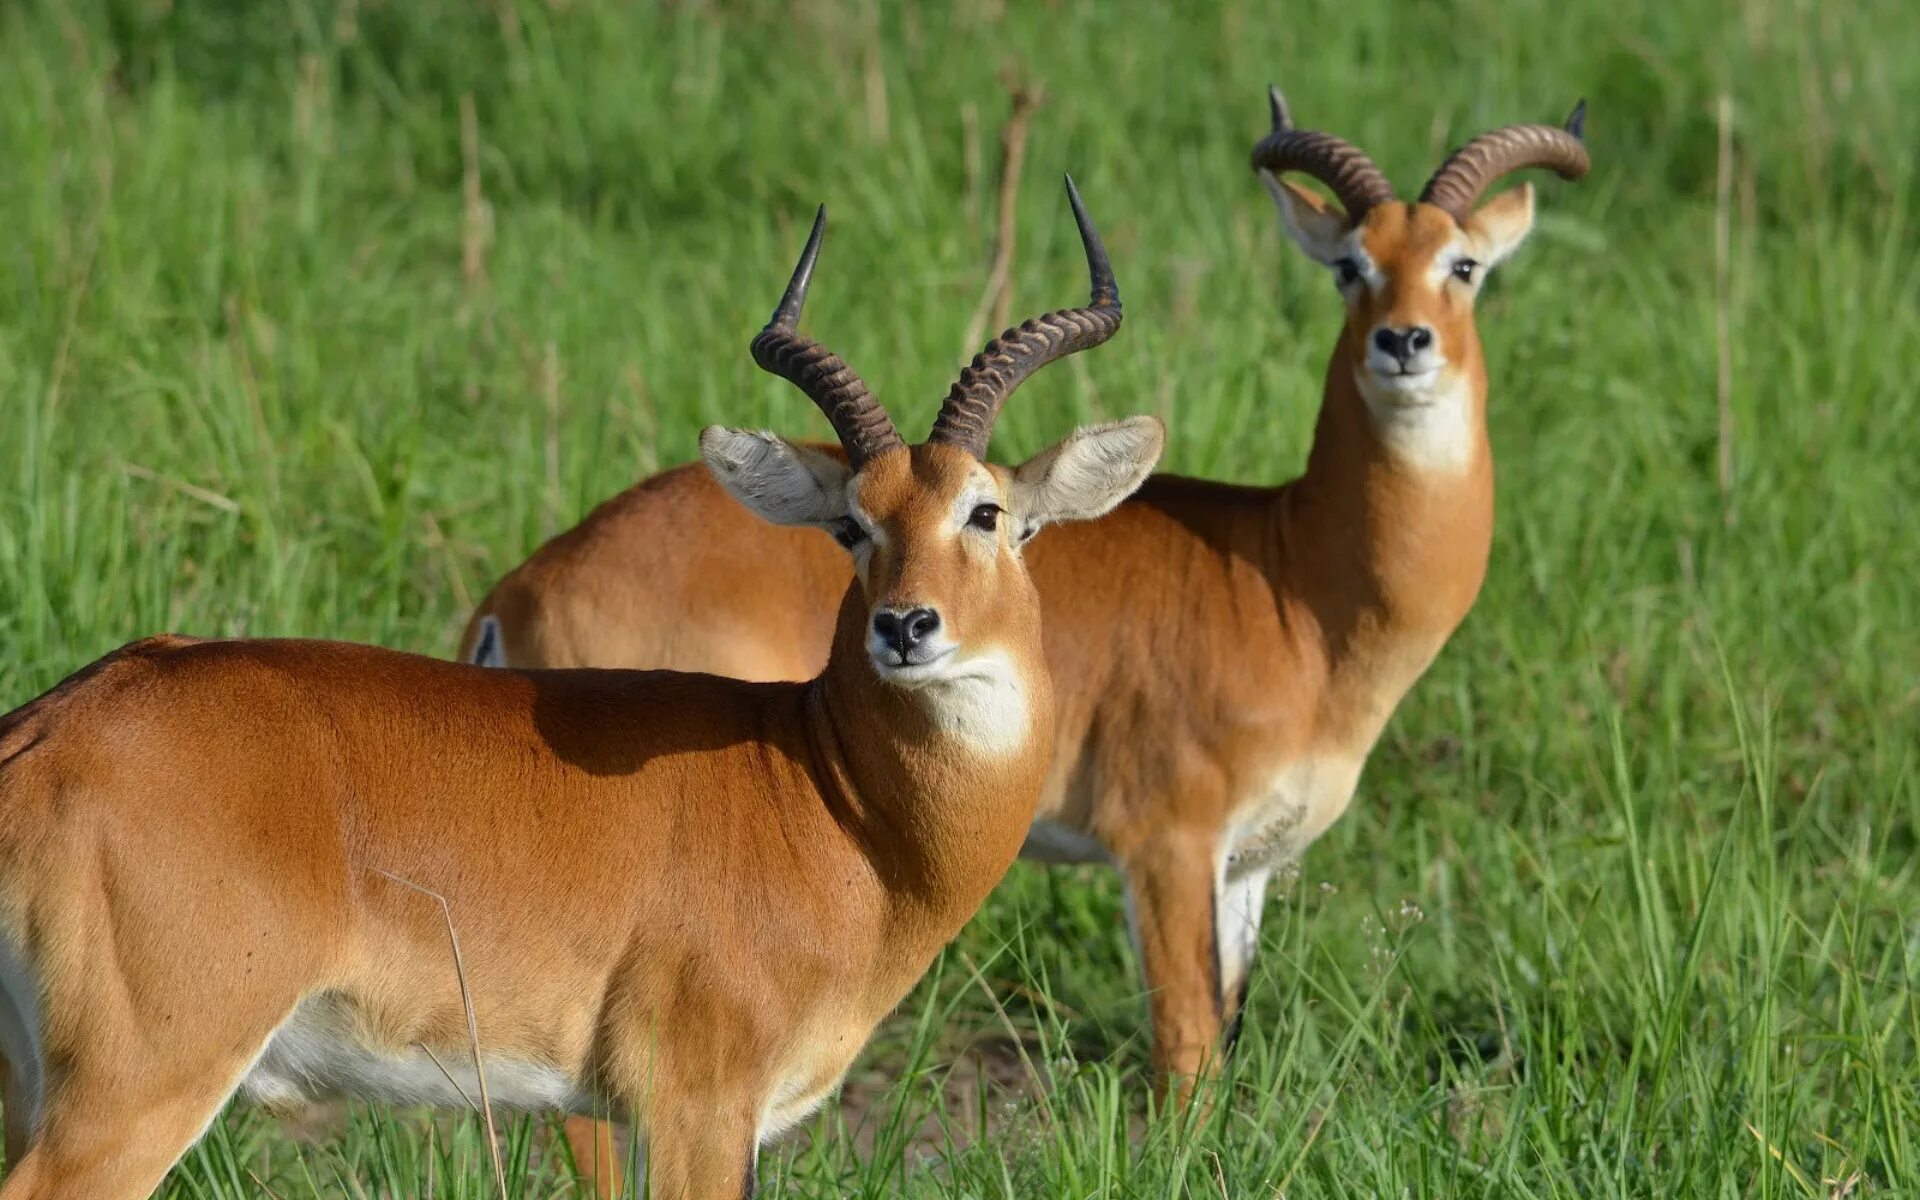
<point>1422,387</point>
<point>913,675</point>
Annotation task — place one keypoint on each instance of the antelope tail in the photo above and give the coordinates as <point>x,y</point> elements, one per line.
<point>488,650</point>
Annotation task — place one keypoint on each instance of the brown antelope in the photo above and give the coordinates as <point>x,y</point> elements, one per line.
<point>1224,657</point>
<point>681,899</point>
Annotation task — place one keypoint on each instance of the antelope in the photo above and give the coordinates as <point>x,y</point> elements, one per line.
<point>1224,657</point>
<point>232,866</point>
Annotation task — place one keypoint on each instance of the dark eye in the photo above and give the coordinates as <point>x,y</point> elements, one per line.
<point>1463,269</point>
<point>1346,271</point>
<point>985,517</point>
<point>848,533</point>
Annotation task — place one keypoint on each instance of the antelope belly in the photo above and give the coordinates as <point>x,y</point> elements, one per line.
<point>314,1054</point>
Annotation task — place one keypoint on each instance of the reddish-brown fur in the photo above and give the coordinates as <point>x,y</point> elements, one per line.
<point>197,836</point>
<point>1205,639</point>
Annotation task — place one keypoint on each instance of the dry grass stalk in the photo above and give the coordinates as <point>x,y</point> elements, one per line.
<point>473,1026</point>
<point>1723,301</point>
<point>476,219</point>
<point>996,300</point>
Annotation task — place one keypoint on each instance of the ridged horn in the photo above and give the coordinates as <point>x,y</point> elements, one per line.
<point>973,403</point>
<point>1336,162</point>
<point>864,427</point>
<point>1469,171</point>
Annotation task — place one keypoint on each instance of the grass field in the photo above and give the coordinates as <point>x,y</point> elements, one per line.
<point>316,325</point>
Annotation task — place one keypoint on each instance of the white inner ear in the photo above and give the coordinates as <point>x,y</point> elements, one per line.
<point>1085,474</point>
<point>1499,226</point>
<point>1321,232</point>
<point>779,481</point>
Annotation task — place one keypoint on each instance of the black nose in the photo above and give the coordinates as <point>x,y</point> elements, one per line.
<point>1402,344</point>
<point>905,630</point>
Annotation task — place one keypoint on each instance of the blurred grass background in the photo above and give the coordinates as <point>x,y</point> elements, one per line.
<point>315,318</point>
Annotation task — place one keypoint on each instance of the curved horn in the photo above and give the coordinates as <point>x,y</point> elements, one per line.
<point>864,427</point>
<point>1338,163</point>
<point>1476,166</point>
<point>966,418</point>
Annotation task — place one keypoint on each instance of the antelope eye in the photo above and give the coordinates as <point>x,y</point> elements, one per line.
<point>1347,271</point>
<point>1464,268</point>
<point>848,533</point>
<point>985,517</point>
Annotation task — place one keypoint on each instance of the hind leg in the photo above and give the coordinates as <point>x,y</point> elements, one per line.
<point>596,1155</point>
<point>106,1136</point>
<point>20,1063</point>
<point>1237,910</point>
<point>14,1113</point>
<point>126,1092</point>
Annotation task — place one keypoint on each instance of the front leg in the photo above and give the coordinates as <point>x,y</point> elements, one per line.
<point>699,1155</point>
<point>1172,908</point>
<point>1196,927</point>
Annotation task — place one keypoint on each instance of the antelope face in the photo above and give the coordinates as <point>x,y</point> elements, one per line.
<point>928,533</point>
<point>936,534</point>
<point>934,531</point>
<point>1409,274</point>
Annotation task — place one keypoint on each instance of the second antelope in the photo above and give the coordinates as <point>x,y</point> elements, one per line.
<point>1224,657</point>
<point>680,899</point>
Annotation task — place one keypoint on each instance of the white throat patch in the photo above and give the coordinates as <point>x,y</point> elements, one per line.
<point>1429,429</point>
<point>981,703</point>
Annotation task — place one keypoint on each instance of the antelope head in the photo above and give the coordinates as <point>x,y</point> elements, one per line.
<point>935,531</point>
<point>1410,272</point>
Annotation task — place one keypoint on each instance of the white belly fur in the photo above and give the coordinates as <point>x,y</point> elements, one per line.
<point>792,1102</point>
<point>821,1051</point>
<point>1238,906</point>
<point>1268,833</point>
<point>1272,827</point>
<point>315,1054</point>
<point>1277,826</point>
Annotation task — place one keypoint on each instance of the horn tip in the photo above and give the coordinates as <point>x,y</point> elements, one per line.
<point>1577,120</point>
<point>1282,119</point>
<point>787,313</point>
<point>1105,291</point>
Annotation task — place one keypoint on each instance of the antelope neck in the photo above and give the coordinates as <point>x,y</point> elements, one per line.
<point>1373,547</point>
<point>940,823</point>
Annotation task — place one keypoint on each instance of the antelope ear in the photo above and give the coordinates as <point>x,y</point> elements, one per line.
<point>1086,474</point>
<point>779,481</point>
<point>1315,224</point>
<point>1501,224</point>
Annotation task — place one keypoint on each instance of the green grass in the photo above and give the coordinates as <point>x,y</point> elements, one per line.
<point>1628,905</point>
